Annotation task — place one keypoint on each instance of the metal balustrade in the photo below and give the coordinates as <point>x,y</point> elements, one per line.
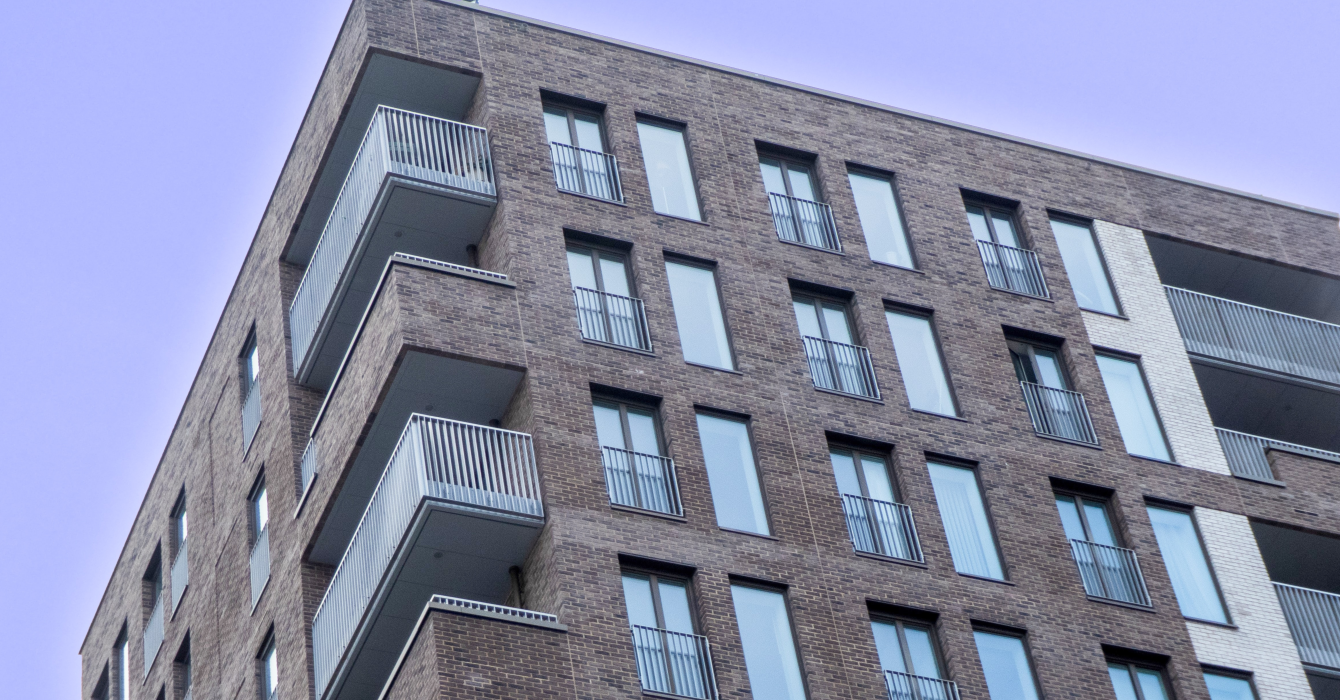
<point>438,151</point>
<point>1252,335</point>
<point>841,367</point>
<point>1246,453</point>
<point>1059,413</point>
<point>187,696</point>
<point>641,480</point>
<point>153,634</point>
<point>181,573</point>
<point>1110,572</point>
<point>1314,622</point>
<point>881,527</point>
<point>905,686</point>
<point>519,613</point>
<point>582,171</point>
<point>470,465</point>
<point>1013,269</point>
<point>611,318</point>
<point>309,465</point>
<point>251,415</point>
<point>674,662</point>
<point>260,564</point>
<point>805,222</point>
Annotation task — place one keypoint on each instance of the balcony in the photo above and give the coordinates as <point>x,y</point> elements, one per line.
<point>881,527</point>
<point>153,635</point>
<point>1314,621</point>
<point>841,367</point>
<point>1059,413</point>
<point>674,663</point>
<point>181,574</point>
<point>1247,453</point>
<point>251,415</point>
<point>613,319</point>
<point>1110,573</point>
<point>905,686</point>
<point>590,173</point>
<point>804,222</point>
<point>642,481</point>
<point>1013,269</point>
<point>260,565</point>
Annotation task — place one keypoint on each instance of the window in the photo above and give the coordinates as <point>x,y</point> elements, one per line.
<point>1136,682</point>
<point>671,658</point>
<point>971,541</point>
<point>993,224</point>
<point>607,312</point>
<point>637,472</point>
<point>577,145</point>
<point>249,374</point>
<point>919,361</point>
<point>1086,519</point>
<point>1038,364</point>
<point>250,364</point>
<point>183,669</point>
<point>1009,674</point>
<point>788,177</point>
<point>797,213</point>
<point>1084,265</point>
<point>179,523</point>
<point>1055,410</point>
<point>1223,686</point>
<point>881,219</point>
<point>731,474</point>
<point>121,662</point>
<point>269,669</point>
<point>907,648</point>
<point>1136,418</point>
<point>260,508</point>
<point>768,642</point>
<point>877,523</point>
<point>668,173</point>
<point>1184,556</point>
<point>702,328</point>
<point>837,362</point>
<point>572,127</point>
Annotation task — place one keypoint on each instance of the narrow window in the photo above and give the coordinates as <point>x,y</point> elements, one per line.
<point>881,220</point>
<point>1056,410</point>
<point>768,642</point>
<point>1223,686</point>
<point>249,375</point>
<point>1005,663</point>
<point>797,213</point>
<point>1084,265</point>
<point>971,541</point>
<point>269,675</point>
<point>1136,681</point>
<point>671,658</point>
<point>260,509</point>
<point>919,361</point>
<point>259,506</point>
<point>637,473</point>
<point>1107,569</point>
<point>182,671</point>
<point>179,524</point>
<point>732,475</point>
<point>908,657</point>
<point>1136,418</point>
<point>666,158</point>
<point>577,145</point>
<point>702,327</point>
<point>837,361</point>
<point>607,311</point>
<point>122,663</point>
<point>181,571</point>
<point>876,521</point>
<point>250,365</point>
<point>1184,556</point>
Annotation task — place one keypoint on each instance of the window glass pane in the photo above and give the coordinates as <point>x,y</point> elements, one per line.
<point>964,517</point>
<point>769,649</point>
<point>977,222</point>
<point>921,649</point>
<point>642,430</point>
<point>1192,582</point>
<point>889,648</point>
<point>844,470</point>
<point>1023,367</point>
<point>556,127</point>
<point>1140,429</point>
<point>801,184</point>
<point>122,672</point>
<point>1049,369</point>
<point>614,275</point>
<point>1070,520</point>
<point>271,672</point>
<point>880,220</point>
<point>877,479</point>
<point>1121,682</point>
<point>581,270</point>
<point>919,362</point>
<point>1228,687</point>
<point>675,606</point>
<point>609,429</point>
<point>731,474</point>
<point>702,330</point>
<point>262,509</point>
<point>1008,676</point>
<point>181,526</point>
<point>253,363</point>
<point>668,173</point>
<point>1004,230</point>
<point>588,133</point>
<point>637,596</point>
<point>1100,529</point>
<point>835,320</point>
<point>773,180</point>
<point>807,317</point>
<point>1083,265</point>
<point>1151,684</point>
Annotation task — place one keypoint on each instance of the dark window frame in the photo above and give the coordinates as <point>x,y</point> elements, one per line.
<point>183,673</point>
<point>819,299</point>
<point>258,486</point>
<point>976,470</point>
<point>899,621</point>
<point>1104,501</point>
<point>1053,215</point>
<point>1190,511</point>
<point>1210,669</point>
<point>622,405</point>
<point>597,252</point>
<point>1131,666</point>
<point>570,112</point>
<point>930,316</point>
<point>654,576</point>
<point>252,345</point>
<point>715,268</point>
<point>785,592</point>
<point>153,582</point>
<point>683,129</point>
<point>1149,392</point>
<point>786,163</point>
<point>1010,212</point>
<point>1023,637</point>
<point>1026,349</point>
<point>856,453</point>
<point>892,178</point>
<point>180,524</point>
<point>748,422</point>
<point>268,647</point>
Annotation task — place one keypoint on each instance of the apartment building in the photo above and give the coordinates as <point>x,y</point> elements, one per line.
<point>565,368</point>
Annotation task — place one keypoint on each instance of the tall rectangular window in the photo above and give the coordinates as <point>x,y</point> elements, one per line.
<point>881,220</point>
<point>768,642</point>
<point>906,648</point>
<point>1136,682</point>
<point>637,473</point>
<point>919,361</point>
<point>1129,394</point>
<point>1229,687</point>
<point>1084,265</point>
<point>122,663</point>
<point>702,327</point>
<point>602,287</point>
<point>668,172</point>
<point>671,658</point>
<point>1009,674</point>
<point>971,541</point>
<point>269,670</point>
<point>732,474</point>
<point>260,508</point>
<point>1188,567</point>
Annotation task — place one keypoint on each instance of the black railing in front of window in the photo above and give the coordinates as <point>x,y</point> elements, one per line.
<point>591,173</point>
<point>805,222</point>
<point>640,480</point>
<point>905,686</point>
<point>674,663</point>
<point>1110,572</point>
<point>611,318</point>
<point>881,527</point>
<point>841,367</point>
<point>1059,413</point>
<point>1013,269</point>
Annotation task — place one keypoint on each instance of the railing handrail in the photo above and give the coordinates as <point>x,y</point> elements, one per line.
<point>608,294</point>
<point>793,206</point>
<point>494,608</point>
<point>698,674</point>
<point>1281,443</point>
<point>640,332</point>
<point>636,481</point>
<point>1274,312</point>
<point>1041,410</point>
<point>870,388</point>
<point>1129,584</point>
<point>1313,617</point>
<point>906,526</point>
<point>650,628</point>
<point>1329,594</point>
<point>914,685</point>
<point>1025,263</point>
<point>797,199</point>
<point>579,148</point>
<point>1069,392</point>
<point>600,180</point>
<point>995,244</point>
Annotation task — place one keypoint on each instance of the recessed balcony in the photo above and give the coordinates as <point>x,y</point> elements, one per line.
<point>1314,622</point>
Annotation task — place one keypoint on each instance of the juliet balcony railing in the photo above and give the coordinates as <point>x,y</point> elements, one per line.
<point>1059,413</point>
<point>1252,335</point>
<point>905,686</point>
<point>1314,622</point>
<point>674,663</point>
<point>481,468</point>
<point>611,318</point>
<point>251,414</point>
<point>805,222</point>
<point>1013,269</point>
<point>181,573</point>
<point>307,468</point>
<point>841,367</point>
<point>1246,453</point>
<point>582,171</point>
<point>437,151</point>
<point>881,527</point>
<point>260,564</point>
<point>640,480</point>
<point>1111,573</point>
<point>153,634</point>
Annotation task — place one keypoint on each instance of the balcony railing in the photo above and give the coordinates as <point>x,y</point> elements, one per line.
<point>841,367</point>
<point>481,468</point>
<point>397,142</point>
<point>905,686</point>
<point>640,480</point>
<point>881,527</point>
<point>1013,269</point>
<point>153,634</point>
<point>1251,335</point>
<point>1246,453</point>
<point>610,318</point>
<point>1059,413</point>
<point>181,573</point>
<point>260,565</point>
<point>308,467</point>
<point>591,173</point>
<point>1110,572</point>
<point>674,663</point>
<point>187,696</point>
<point>1314,621</point>
<point>251,414</point>
<point>805,222</point>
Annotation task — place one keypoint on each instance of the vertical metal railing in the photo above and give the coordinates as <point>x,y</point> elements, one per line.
<point>309,465</point>
<point>1013,269</point>
<point>153,634</point>
<point>439,151</point>
<point>251,414</point>
<point>1253,335</point>
<point>474,465</point>
<point>181,573</point>
<point>611,318</point>
<point>1314,622</point>
<point>260,564</point>
<point>1246,453</point>
<point>1110,572</point>
<point>640,480</point>
<point>905,686</point>
<point>586,172</point>
<point>803,221</point>
<point>674,662</point>
<point>1059,413</point>
<point>187,696</point>
<point>841,367</point>
<point>881,527</point>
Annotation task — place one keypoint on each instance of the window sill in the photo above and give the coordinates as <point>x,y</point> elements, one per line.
<point>591,197</point>
<point>616,346</point>
<point>1156,460</point>
<point>1259,480</point>
<point>891,560</point>
<point>1068,441</point>
<point>988,579</point>
<point>939,415</point>
<point>751,534</point>
<point>1104,313</point>
<point>715,369</point>
<point>1011,292</point>
<point>1120,604</point>
<point>653,513</point>
<point>898,267</point>
<point>807,246</point>
<point>844,394</point>
<point>700,222</point>
<point>1212,623</point>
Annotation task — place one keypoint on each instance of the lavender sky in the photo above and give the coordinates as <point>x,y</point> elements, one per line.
<point>139,142</point>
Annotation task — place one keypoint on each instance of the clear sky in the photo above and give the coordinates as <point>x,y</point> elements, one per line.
<point>139,142</point>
